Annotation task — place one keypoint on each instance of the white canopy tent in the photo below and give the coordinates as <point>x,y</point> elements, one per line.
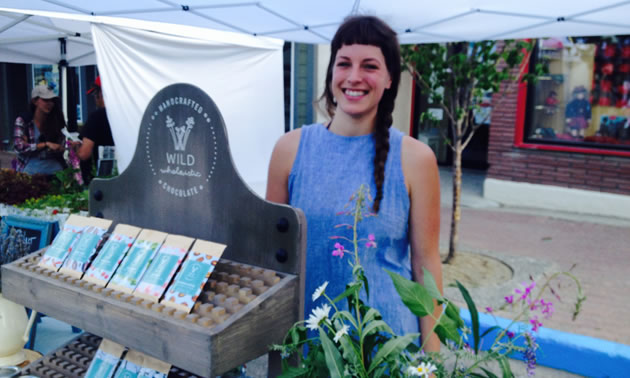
<point>30,32</point>
<point>316,21</point>
<point>243,75</point>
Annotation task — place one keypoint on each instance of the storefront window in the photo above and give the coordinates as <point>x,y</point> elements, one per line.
<point>584,100</point>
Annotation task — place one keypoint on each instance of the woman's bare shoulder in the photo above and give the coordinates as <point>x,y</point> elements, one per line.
<point>416,154</point>
<point>419,165</point>
<point>289,142</point>
<point>280,166</point>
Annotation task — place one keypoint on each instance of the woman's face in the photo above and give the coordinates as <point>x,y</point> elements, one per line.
<point>359,78</point>
<point>44,105</point>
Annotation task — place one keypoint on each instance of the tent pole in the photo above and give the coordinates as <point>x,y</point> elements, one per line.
<point>292,90</point>
<point>63,70</point>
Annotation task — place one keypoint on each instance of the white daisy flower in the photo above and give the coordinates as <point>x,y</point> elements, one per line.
<point>319,314</point>
<point>341,332</point>
<point>319,291</point>
<point>425,369</point>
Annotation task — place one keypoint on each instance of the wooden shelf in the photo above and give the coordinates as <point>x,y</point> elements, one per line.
<point>243,336</point>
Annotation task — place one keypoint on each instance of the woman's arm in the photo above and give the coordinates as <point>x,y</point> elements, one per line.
<point>423,185</point>
<point>280,166</point>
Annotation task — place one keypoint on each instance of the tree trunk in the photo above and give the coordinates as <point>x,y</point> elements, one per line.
<point>457,195</point>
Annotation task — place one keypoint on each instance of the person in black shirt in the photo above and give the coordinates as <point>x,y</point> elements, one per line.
<point>96,132</point>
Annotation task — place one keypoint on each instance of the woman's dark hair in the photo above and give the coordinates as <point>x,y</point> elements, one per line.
<point>370,30</point>
<point>54,123</point>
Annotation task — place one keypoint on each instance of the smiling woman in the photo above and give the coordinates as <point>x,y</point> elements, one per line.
<point>318,168</point>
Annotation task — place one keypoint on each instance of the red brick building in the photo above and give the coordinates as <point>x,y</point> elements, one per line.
<point>537,158</point>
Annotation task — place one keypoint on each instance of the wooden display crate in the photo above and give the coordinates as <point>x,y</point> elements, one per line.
<point>182,181</point>
<point>206,351</point>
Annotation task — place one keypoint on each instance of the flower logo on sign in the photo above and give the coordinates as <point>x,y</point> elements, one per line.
<point>180,133</point>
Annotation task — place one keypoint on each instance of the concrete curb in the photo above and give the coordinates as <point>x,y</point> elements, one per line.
<point>578,354</point>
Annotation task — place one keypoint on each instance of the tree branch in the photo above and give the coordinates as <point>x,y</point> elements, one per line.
<point>422,82</point>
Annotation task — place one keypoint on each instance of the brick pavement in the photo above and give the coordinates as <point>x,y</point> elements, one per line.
<point>600,248</point>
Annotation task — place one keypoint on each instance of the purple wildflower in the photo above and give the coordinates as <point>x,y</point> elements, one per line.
<point>527,292</point>
<point>489,309</point>
<point>339,250</point>
<point>547,308</point>
<point>510,334</point>
<point>535,323</point>
<point>509,299</point>
<point>371,241</point>
<point>530,353</point>
<point>528,289</point>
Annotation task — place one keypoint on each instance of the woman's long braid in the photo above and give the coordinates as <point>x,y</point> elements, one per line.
<point>381,150</point>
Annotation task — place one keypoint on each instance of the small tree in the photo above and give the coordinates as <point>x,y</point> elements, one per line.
<point>455,77</point>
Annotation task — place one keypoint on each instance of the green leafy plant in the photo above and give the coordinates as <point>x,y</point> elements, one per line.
<point>75,202</point>
<point>358,343</point>
<point>455,77</point>
<point>65,182</point>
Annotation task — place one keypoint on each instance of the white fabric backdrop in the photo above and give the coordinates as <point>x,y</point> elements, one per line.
<point>244,77</point>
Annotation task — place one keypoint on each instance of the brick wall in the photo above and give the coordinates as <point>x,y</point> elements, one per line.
<point>565,169</point>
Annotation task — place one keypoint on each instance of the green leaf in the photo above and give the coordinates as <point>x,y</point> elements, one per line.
<point>413,295</point>
<point>474,315</point>
<point>489,330</point>
<point>293,372</point>
<point>506,370</point>
<point>333,358</point>
<point>350,289</point>
<point>371,314</point>
<point>488,373</point>
<point>347,316</point>
<point>376,325</point>
<point>350,353</point>
<point>446,329</point>
<point>452,311</point>
<point>431,285</point>
<point>392,347</point>
<point>364,279</point>
<point>380,372</point>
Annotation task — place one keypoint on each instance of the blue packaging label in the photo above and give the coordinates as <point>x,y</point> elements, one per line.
<point>102,365</point>
<point>135,264</point>
<point>192,277</point>
<point>160,269</point>
<point>110,257</point>
<point>85,247</point>
<point>61,244</point>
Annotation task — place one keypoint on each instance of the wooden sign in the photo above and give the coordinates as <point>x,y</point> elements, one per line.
<point>182,180</point>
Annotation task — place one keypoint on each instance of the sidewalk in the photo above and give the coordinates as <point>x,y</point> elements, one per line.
<point>598,245</point>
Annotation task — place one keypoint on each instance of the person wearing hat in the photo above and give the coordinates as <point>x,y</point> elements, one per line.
<point>37,137</point>
<point>96,132</point>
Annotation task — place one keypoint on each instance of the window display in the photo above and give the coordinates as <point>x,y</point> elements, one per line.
<point>583,100</point>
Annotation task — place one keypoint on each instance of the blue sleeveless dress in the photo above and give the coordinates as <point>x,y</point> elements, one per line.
<point>328,169</point>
